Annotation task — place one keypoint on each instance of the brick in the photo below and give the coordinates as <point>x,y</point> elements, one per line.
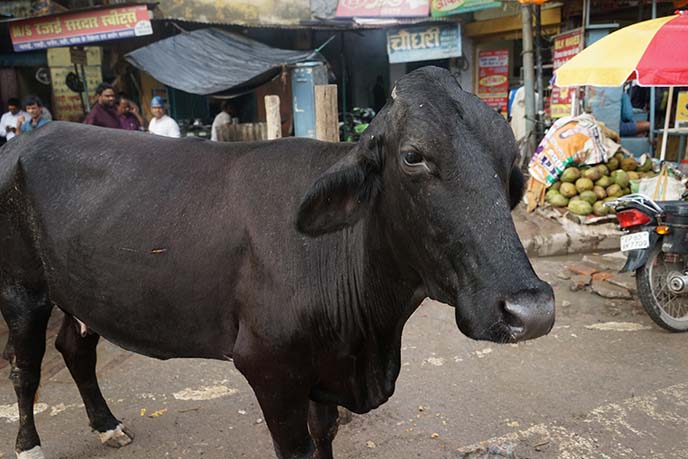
<point>602,276</point>
<point>582,269</point>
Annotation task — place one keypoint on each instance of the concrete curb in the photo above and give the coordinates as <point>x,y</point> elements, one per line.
<point>543,237</point>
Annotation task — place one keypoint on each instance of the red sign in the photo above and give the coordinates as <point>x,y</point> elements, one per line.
<point>80,28</point>
<point>566,45</point>
<point>382,8</point>
<point>493,78</point>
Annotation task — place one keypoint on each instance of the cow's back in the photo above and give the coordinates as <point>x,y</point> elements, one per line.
<point>163,246</point>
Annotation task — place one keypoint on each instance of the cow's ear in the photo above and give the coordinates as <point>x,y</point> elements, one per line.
<point>341,196</point>
<point>516,186</point>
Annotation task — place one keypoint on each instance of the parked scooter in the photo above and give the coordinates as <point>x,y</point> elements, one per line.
<point>656,242</point>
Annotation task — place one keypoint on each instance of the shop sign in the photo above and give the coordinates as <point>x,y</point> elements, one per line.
<point>382,8</point>
<point>424,43</point>
<point>566,45</point>
<point>493,78</point>
<point>447,7</point>
<point>79,28</point>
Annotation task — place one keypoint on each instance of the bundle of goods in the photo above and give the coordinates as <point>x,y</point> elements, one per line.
<point>584,189</point>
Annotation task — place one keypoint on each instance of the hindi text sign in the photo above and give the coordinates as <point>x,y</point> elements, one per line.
<point>493,78</point>
<point>79,28</point>
<point>424,43</point>
<point>566,45</point>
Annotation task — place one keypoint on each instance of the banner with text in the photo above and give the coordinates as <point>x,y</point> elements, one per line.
<point>566,45</point>
<point>447,7</point>
<point>382,8</point>
<point>493,78</point>
<point>424,43</point>
<point>80,28</point>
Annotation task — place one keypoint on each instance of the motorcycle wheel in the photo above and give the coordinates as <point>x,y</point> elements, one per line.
<point>666,308</point>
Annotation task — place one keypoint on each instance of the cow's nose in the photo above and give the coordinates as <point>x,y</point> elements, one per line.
<point>530,314</point>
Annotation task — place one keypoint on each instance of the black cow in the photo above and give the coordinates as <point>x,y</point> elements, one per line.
<point>299,260</point>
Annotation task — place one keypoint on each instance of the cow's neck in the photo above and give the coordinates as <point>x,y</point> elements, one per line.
<point>367,300</point>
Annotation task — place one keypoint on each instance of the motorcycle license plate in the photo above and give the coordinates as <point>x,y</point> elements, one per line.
<point>635,241</point>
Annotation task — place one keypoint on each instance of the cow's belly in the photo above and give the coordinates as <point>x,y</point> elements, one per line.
<point>152,308</point>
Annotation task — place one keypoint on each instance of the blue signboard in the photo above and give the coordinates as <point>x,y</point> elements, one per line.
<point>424,43</point>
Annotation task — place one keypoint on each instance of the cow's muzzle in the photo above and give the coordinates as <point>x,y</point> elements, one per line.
<point>530,313</point>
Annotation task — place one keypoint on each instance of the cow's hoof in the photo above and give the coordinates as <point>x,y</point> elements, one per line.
<point>34,453</point>
<point>117,437</point>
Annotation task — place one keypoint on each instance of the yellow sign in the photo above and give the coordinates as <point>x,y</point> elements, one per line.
<point>682,110</point>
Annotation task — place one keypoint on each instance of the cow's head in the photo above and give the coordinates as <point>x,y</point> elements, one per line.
<point>437,170</point>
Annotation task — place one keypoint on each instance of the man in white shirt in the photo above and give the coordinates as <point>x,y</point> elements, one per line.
<point>162,124</point>
<point>8,122</point>
<point>222,118</point>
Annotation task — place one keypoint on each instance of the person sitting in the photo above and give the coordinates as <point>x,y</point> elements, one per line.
<point>629,126</point>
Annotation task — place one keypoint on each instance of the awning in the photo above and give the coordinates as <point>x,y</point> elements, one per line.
<point>210,61</point>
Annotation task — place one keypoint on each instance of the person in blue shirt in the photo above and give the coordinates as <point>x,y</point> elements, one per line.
<point>32,106</point>
<point>630,127</point>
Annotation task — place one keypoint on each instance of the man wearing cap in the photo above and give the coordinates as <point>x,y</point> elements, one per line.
<point>103,112</point>
<point>162,124</point>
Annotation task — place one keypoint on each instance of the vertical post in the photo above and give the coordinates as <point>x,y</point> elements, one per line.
<point>326,125</point>
<point>87,101</point>
<point>653,97</point>
<point>540,130</point>
<point>528,75</point>
<point>274,121</point>
<point>666,123</point>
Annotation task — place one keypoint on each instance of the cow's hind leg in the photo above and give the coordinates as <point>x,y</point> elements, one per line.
<point>78,348</point>
<point>26,311</point>
<point>322,422</point>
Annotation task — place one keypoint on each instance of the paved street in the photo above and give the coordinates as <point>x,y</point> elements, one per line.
<point>581,392</point>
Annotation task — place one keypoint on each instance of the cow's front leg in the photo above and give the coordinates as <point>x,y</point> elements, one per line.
<point>322,422</point>
<point>281,387</point>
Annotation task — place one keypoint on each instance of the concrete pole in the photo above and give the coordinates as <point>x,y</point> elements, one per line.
<point>540,131</point>
<point>326,122</point>
<point>653,97</point>
<point>274,121</point>
<point>529,76</point>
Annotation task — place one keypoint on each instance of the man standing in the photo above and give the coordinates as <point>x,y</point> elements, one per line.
<point>129,117</point>
<point>33,106</point>
<point>103,112</point>
<point>222,118</point>
<point>162,124</point>
<point>8,122</point>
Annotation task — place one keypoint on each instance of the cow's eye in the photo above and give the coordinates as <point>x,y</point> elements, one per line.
<point>413,158</point>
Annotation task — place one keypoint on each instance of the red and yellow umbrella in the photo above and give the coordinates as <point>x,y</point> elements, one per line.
<point>655,53</point>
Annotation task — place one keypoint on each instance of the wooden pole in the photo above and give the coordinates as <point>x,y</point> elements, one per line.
<point>666,123</point>
<point>272,112</point>
<point>326,123</point>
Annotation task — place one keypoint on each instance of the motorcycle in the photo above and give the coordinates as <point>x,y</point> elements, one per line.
<point>656,243</point>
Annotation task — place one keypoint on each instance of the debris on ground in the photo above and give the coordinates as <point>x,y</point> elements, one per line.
<point>595,273</point>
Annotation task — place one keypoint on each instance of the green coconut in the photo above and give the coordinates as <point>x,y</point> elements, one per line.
<point>593,174</point>
<point>588,196</point>
<point>580,207</point>
<point>584,184</point>
<point>570,174</point>
<point>568,190</point>
<point>620,177</point>
<point>600,209</point>
<point>614,191</point>
<point>558,200</point>
<point>600,192</point>
<point>613,164</point>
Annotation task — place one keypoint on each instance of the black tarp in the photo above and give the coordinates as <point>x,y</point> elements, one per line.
<point>211,61</point>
